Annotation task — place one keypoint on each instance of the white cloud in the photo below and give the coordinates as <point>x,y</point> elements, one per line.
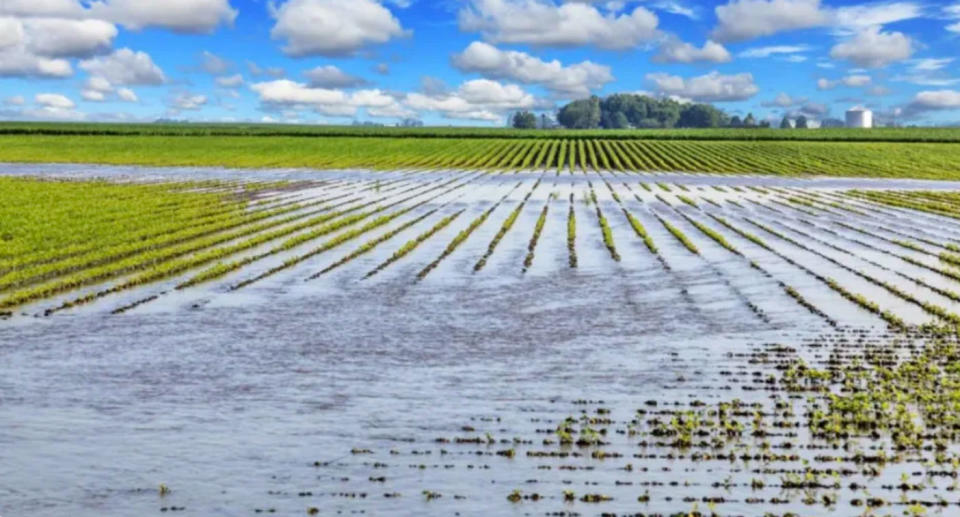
<point>49,8</point>
<point>16,100</point>
<point>98,89</point>
<point>11,32</point>
<point>852,81</point>
<point>93,95</point>
<point>783,100</point>
<point>872,48</point>
<point>480,99</point>
<point>574,80</point>
<point>676,51</point>
<point>327,101</point>
<point>187,101</point>
<point>58,37</point>
<point>926,80</point>
<point>857,17</point>
<point>540,22</point>
<point>36,47</point>
<point>230,81</point>
<point>741,20</point>
<point>330,76</point>
<point>333,27</point>
<point>930,64</point>
<point>952,12</point>
<point>125,67</point>
<point>856,80</point>
<point>17,62</point>
<point>762,52</point>
<point>933,100</point>
<point>188,16</point>
<point>674,7</point>
<point>127,95</point>
<point>54,100</point>
<point>713,87</point>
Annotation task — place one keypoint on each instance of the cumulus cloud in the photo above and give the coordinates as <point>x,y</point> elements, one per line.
<point>99,89</point>
<point>54,100</point>
<point>575,80</point>
<point>873,48</point>
<point>37,47</point>
<point>125,67</point>
<point>330,76</point>
<point>18,62</point>
<point>741,20</point>
<point>933,100</point>
<point>186,16</point>
<point>16,100</point>
<point>185,101</point>
<point>713,87</point>
<point>676,51</point>
<point>540,22</point>
<point>333,27</point>
<point>327,101</point>
<point>127,95</point>
<point>479,99</point>
<point>58,37</point>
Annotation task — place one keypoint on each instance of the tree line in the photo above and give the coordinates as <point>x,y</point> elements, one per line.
<point>625,111</point>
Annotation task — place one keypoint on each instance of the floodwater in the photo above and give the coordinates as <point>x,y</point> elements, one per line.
<point>349,396</point>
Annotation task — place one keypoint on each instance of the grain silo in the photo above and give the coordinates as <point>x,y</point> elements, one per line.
<point>860,118</point>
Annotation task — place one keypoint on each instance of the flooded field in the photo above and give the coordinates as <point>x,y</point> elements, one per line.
<point>441,343</point>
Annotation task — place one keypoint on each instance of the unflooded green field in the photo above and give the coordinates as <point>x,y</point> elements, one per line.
<point>926,154</point>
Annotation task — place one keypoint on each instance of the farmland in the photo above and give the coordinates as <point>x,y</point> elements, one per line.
<point>917,153</point>
<point>515,325</point>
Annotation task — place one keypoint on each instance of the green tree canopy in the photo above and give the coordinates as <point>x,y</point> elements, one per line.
<point>524,120</point>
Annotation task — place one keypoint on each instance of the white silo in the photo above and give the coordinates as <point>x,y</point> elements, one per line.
<point>860,118</point>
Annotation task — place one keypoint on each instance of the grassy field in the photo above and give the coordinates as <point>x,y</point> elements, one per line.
<point>942,135</point>
<point>779,157</point>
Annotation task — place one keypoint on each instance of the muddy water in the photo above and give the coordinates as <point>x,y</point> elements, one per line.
<point>291,395</point>
<point>224,405</point>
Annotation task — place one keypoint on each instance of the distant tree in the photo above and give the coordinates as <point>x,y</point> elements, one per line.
<point>619,121</point>
<point>765,124</point>
<point>625,110</point>
<point>524,120</point>
<point>581,114</point>
<point>700,115</point>
<point>750,121</point>
<point>785,123</point>
<point>736,121</point>
<point>802,122</point>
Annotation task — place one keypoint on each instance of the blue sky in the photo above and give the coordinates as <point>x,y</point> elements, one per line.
<point>462,62</point>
